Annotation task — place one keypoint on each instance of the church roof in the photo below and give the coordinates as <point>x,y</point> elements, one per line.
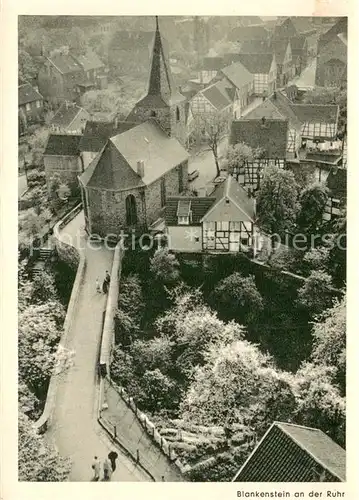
<point>115,167</point>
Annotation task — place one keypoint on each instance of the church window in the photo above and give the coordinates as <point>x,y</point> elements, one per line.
<point>131,210</point>
<point>177,114</point>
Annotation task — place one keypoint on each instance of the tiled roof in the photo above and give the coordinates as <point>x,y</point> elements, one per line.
<point>231,189</point>
<point>280,48</point>
<point>212,63</point>
<point>65,63</point>
<point>27,93</point>
<point>265,109</point>
<point>238,75</point>
<point>302,24</point>
<point>292,453</point>
<point>216,96</point>
<point>297,44</point>
<point>65,115</point>
<point>256,63</point>
<point>270,135</point>
<point>284,106</point>
<point>255,47</point>
<point>242,33</point>
<point>341,26</point>
<point>89,61</point>
<point>285,29</point>
<point>63,145</point>
<point>199,207</point>
<point>316,113</point>
<point>96,133</point>
<point>148,142</point>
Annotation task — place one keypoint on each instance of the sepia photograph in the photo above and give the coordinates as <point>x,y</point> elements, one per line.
<point>182,220</point>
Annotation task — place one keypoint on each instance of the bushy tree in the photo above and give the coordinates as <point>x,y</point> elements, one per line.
<point>238,297</point>
<point>31,225</point>
<point>312,201</point>
<point>43,287</point>
<point>316,295</point>
<point>239,155</point>
<point>37,459</point>
<point>152,354</point>
<point>164,266</point>
<point>27,67</point>
<point>277,201</point>
<point>77,40</point>
<point>316,259</point>
<point>158,392</point>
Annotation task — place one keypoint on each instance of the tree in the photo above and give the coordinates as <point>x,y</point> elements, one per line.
<point>212,127</point>
<point>316,295</point>
<point>238,297</point>
<point>37,459</point>
<point>158,392</point>
<point>43,288</point>
<point>329,346</point>
<point>164,266</point>
<point>152,354</point>
<point>27,67</point>
<point>77,40</point>
<point>316,259</point>
<point>277,201</point>
<point>337,250</point>
<point>239,156</point>
<point>313,200</point>
<point>31,225</point>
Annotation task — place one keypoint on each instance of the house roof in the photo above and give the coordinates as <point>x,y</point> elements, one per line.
<point>341,26</point>
<point>66,114</point>
<point>63,145</point>
<point>211,63</point>
<point>284,106</point>
<point>242,33</point>
<point>65,63</point>
<point>270,135</point>
<point>89,61</point>
<point>255,47</point>
<point>199,207</point>
<point>97,133</point>
<point>285,29</point>
<point>217,96</point>
<point>297,44</point>
<point>316,113</point>
<point>291,453</point>
<point>280,48</point>
<point>232,190</point>
<point>256,63</point>
<point>303,24</point>
<point>115,167</point>
<point>265,109</point>
<point>238,75</point>
<point>27,93</point>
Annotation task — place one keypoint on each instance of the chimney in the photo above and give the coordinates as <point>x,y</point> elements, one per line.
<point>274,95</point>
<point>141,168</point>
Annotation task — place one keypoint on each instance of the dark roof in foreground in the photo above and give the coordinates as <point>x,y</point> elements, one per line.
<point>293,453</point>
<point>238,74</point>
<point>316,113</point>
<point>216,95</point>
<point>27,94</point>
<point>97,133</point>
<point>63,145</point>
<point>271,135</point>
<point>66,114</point>
<point>256,63</point>
<point>199,206</point>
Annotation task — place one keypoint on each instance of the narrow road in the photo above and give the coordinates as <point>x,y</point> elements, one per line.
<point>75,429</point>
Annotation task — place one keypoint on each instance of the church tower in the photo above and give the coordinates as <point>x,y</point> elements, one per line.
<point>163,101</point>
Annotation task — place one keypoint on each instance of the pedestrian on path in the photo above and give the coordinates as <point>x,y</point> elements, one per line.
<point>98,287</point>
<point>96,465</point>
<point>113,457</point>
<point>105,286</point>
<point>107,469</point>
<point>107,277</point>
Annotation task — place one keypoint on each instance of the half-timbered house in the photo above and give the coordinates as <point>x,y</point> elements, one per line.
<point>299,47</point>
<point>270,135</point>
<point>319,122</point>
<point>243,81</point>
<point>331,68</point>
<point>264,69</point>
<point>208,69</point>
<point>69,119</point>
<point>283,56</point>
<point>222,222</point>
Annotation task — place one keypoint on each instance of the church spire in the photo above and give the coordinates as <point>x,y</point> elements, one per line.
<point>160,74</point>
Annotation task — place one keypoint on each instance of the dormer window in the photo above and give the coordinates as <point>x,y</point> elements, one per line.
<point>184,213</point>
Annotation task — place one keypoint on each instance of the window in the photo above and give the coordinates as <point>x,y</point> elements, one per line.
<point>28,106</point>
<point>177,114</point>
<point>183,220</point>
<point>163,192</point>
<point>38,104</point>
<point>131,210</point>
<point>153,114</point>
<point>223,226</point>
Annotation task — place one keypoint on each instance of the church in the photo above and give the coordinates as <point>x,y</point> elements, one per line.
<point>126,185</point>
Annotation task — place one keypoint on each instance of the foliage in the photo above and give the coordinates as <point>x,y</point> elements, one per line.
<point>164,266</point>
<point>158,392</point>
<point>285,259</point>
<point>36,178</point>
<point>238,297</point>
<point>315,294</point>
<point>329,332</point>
<point>28,402</point>
<point>240,155</point>
<point>31,225</point>
<point>316,259</point>
<point>129,310</point>
<point>329,95</point>
<point>38,460</point>
<point>152,354</point>
<point>77,40</point>
<point>27,67</point>
<point>277,201</point>
<point>337,251</point>
<point>312,201</point>
<point>43,288</point>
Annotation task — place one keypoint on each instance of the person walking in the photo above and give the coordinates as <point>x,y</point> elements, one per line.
<point>105,286</point>
<point>107,469</point>
<point>98,287</point>
<point>113,457</point>
<point>107,277</point>
<point>96,468</point>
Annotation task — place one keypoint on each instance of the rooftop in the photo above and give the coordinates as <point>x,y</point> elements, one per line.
<point>66,114</point>
<point>89,61</point>
<point>316,113</point>
<point>27,93</point>
<point>63,145</point>
<point>237,74</point>
<point>217,96</point>
<point>97,133</point>
<point>293,453</point>
<point>242,33</point>
<point>256,63</point>
<point>65,63</point>
<point>199,206</point>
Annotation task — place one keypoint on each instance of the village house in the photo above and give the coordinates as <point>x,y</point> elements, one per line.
<point>62,157</point>
<point>243,81</point>
<point>331,69</point>
<point>299,48</point>
<point>340,26</point>
<point>93,67</point>
<point>96,135</point>
<point>222,222</point>
<point>293,453</point>
<point>263,67</point>
<point>69,119</point>
<point>283,56</point>
<point>241,34</point>
<point>128,182</point>
<point>30,106</point>
<point>208,70</point>
<point>278,107</point>
<point>284,30</point>
<point>319,123</point>
<point>270,135</point>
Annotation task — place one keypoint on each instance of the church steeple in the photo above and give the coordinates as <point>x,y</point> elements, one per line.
<point>160,82</point>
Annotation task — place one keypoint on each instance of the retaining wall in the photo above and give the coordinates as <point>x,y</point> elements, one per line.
<point>71,255</point>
